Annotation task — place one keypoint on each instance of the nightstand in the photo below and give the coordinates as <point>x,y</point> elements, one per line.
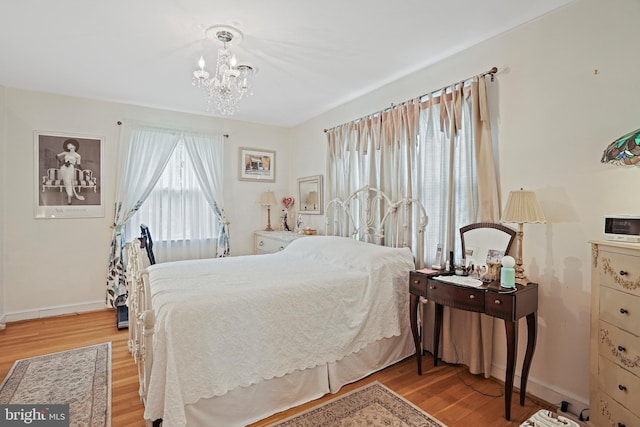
<point>267,242</point>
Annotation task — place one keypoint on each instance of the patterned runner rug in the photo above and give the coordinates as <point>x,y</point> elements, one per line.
<point>80,378</point>
<point>372,405</point>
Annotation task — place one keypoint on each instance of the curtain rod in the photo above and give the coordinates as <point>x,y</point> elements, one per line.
<point>226,135</point>
<point>491,72</point>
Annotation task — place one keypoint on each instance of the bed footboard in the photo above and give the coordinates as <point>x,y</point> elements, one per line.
<point>141,317</point>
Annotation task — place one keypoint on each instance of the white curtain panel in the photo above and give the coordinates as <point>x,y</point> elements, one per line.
<point>171,181</point>
<point>143,155</point>
<point>206,153</point>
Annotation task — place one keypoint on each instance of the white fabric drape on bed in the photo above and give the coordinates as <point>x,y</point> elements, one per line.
<point>319,300</point>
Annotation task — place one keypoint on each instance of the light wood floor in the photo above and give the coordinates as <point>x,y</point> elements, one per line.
<point>448,392</point>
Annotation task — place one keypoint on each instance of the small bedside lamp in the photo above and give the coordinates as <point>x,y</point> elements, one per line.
<point>312,199</point>
<point>522,207</point>
<point>268,199</point>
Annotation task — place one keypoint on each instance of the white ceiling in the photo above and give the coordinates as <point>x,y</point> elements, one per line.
<point>311,55</point>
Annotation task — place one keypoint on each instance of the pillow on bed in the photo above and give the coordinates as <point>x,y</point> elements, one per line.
<point>351,253</point>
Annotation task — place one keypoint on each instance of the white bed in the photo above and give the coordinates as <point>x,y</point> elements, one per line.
<point>233,340</point>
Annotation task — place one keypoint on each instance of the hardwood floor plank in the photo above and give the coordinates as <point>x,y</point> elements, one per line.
<point>448,392</point>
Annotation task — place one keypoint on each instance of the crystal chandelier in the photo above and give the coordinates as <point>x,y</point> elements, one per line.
<point>230,83</point>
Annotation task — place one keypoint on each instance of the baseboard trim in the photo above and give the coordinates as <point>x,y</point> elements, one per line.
<point>550,393</point>
<point>40,313</point>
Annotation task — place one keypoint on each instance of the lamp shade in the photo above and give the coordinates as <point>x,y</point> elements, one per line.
<point>268,198</point>
<point>312,198</point>
<point>624,150</point>
<point>523,207</point>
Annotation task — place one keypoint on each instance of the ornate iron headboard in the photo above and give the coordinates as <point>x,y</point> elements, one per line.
<point>371,216</point>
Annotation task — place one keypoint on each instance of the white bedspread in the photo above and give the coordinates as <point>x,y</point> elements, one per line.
<point>233,322</point>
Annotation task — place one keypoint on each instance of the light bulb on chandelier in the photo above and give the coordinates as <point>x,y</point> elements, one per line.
<point>230,83</point>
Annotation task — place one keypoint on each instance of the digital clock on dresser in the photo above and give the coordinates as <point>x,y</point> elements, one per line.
<point>622,228</point>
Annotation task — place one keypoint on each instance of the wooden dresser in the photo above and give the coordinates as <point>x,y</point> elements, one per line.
<point>614,393</point>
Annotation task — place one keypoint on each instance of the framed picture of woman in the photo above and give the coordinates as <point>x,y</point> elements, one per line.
<point>68,181</point>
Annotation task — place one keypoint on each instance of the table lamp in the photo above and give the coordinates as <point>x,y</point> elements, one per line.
<point>312,199</point>
<point>268,199</point>
<point>522,207</point>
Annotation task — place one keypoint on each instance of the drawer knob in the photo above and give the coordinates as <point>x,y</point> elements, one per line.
<point>472,296</point>
<point>498,302</point>
<point>621,387</point>
<point>623,273</point>
<point>624,311</point>
<point>281,247</point>
<point>432,287</point>
<point>261,243</point>
<point>415,282</point>
<point>621,348</point>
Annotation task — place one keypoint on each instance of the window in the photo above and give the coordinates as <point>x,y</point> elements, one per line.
<point>177,213</point>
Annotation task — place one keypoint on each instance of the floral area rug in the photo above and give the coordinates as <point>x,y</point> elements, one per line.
<point>80,378</point>
<point>372,405</point>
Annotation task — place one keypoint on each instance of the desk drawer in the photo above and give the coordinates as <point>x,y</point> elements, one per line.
<point>469,299</point>
<point>499,305</point>
<point>418,284</point>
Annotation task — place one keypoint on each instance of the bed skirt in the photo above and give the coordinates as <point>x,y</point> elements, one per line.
<point>246,405</point>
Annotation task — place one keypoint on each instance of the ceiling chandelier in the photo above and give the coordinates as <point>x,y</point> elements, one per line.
<point>230,82</point>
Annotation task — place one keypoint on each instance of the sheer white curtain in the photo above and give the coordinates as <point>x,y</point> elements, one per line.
<point>206,153</point>
<point>142,156</point>
<point>182,222</point>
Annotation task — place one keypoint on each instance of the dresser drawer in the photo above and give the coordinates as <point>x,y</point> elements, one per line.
<point>620,271</point>
<point>619,384</point>
<point>620,347</point>
<point>620,309</point>
<point>268,245</point>
<point>610,413</point>
<point>469,299</point>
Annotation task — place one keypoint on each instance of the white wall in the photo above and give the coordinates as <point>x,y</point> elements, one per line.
<point>554,116</point>
<point>3,142</point>
<point>54,266</point>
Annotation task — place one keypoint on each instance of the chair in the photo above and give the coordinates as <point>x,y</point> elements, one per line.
<point>147,242</point>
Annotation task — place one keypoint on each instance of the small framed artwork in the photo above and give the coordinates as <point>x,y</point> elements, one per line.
<point>68,181</point>
<point>257,165</point>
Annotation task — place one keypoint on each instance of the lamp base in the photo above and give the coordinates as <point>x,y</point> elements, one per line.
<point>268,219</point>
<point>521,279</point>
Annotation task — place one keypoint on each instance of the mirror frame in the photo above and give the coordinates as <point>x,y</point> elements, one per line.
<point>503,228</point>
<point>311,180</point>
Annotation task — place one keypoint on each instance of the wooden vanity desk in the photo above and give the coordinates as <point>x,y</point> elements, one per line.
<point>487,299</point>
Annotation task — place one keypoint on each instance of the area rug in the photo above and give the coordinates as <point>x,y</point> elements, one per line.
<point>80,378</point>
<point>372,405</point>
